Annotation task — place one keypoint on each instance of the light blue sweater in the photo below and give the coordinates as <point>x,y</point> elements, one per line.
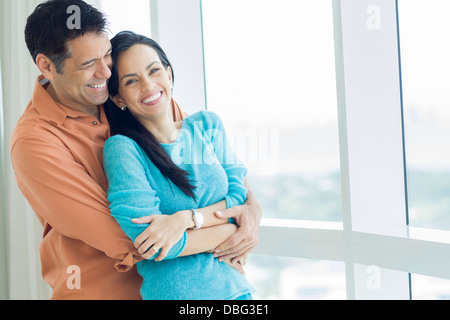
<point>137,188</point>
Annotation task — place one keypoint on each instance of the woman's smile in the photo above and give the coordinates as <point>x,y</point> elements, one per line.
<point>153,98</point>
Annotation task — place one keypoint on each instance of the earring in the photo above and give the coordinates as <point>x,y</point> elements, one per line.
<point>123,108</point>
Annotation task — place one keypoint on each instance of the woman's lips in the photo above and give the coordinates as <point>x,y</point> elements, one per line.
<point>152,99</point>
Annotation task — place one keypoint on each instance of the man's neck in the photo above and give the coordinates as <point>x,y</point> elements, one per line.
<point>93,110</point>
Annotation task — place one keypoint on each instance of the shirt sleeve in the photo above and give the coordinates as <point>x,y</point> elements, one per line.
<point>130,193</point>
<point>64,196</point>
<point>234,168</point>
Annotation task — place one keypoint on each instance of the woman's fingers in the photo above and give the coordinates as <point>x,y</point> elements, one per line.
<point>147,219</point>
<point>150,252</point>
<point>163,254</point>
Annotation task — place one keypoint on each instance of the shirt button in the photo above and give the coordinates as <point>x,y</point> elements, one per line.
<point>95,123</point>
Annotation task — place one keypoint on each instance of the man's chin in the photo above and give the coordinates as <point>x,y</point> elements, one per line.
<point>100,100</point>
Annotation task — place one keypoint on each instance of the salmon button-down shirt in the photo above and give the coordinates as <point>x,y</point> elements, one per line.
<point>57,156</point>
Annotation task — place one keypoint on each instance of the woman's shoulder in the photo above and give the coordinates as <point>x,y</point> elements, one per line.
<point>120,145</point>
<point>119,139</point>
<point>208,118</point>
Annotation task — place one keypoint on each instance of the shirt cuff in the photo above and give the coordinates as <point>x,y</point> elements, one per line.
<point>127,263</point>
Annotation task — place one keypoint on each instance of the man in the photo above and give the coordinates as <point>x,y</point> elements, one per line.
<point>56,151</point>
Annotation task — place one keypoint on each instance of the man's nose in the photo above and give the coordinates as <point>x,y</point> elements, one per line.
<point>103,70</point>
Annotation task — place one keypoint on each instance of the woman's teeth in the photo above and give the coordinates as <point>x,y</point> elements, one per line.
<point>152,98</point>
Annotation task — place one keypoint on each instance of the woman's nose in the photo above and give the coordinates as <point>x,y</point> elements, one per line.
<point>147,84</point>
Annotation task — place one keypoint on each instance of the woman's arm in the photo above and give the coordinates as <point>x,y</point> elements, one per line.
<point>207,239</point>
<point>131,196</point>
<point>185,217</point>
<point>162,228</point>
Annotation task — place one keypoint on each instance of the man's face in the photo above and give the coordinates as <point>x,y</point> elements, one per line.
<point>82,84</point>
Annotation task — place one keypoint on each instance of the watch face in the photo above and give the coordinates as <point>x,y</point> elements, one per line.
<point>198,219</point>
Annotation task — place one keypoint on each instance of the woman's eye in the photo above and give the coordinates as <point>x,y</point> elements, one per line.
<point>154,70</point>
<point>130,82</point>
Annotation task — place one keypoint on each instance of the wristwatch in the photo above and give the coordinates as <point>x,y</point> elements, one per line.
<point>198,219</point>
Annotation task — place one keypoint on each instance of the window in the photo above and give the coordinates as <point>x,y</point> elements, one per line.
<point>296,279</point>
<point>273,82</point>
<point>429,288</point>
<point>425,64</point>
<point>232,55</point>
<point>136,19</point>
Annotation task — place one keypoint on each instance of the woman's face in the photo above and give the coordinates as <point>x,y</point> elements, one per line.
<point>145,87</point>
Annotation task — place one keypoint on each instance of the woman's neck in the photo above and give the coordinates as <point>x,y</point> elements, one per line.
<point>163,128</point>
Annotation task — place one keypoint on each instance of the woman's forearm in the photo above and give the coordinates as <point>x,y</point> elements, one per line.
<point>207,239</point>
<point>210,219</point>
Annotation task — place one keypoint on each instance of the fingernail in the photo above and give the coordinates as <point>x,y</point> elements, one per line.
<point>219,213</point>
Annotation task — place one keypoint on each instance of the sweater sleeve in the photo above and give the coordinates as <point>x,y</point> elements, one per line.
<point>129,193</point>
<point>234,168</point>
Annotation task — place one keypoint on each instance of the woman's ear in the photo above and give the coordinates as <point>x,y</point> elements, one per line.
<point>118,101</point>
<point>169,71</point>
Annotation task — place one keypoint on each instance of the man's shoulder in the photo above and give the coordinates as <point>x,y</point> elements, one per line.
<point>31,125</point>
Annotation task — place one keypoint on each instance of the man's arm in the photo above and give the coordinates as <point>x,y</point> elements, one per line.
<point>248,217</point>
<point>63,195</point>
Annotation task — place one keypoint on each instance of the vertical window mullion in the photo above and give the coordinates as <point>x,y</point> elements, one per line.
<point>371,136</point>
<point>183,45</point>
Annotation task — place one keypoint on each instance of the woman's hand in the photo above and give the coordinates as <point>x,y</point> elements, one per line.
<point>162,234</point>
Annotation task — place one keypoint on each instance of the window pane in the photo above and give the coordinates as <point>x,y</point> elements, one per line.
<point>281,278</point>
<point>425,64</point>
<point>270,75</point>
<point>135,18</point>
<point>429,288</point>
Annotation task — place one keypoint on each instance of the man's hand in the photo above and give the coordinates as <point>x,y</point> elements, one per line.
<point>248,217</point>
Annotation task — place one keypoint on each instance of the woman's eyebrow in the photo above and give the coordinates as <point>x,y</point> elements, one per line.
<point>135,74</point>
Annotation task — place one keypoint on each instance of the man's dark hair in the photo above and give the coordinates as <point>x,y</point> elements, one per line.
<point>47,29</point>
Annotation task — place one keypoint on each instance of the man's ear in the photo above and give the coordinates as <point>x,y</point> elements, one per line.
<point>46,66</point>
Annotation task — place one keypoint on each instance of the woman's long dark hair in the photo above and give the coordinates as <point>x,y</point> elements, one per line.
<point>124,123</point>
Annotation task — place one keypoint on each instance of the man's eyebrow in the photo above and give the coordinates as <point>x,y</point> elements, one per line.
<point>93,60</point>
<point>135,74</point>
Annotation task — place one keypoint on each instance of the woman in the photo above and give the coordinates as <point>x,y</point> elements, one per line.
<point>179,173</point>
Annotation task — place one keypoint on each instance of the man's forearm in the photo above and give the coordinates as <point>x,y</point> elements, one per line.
<point>248,217</point>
